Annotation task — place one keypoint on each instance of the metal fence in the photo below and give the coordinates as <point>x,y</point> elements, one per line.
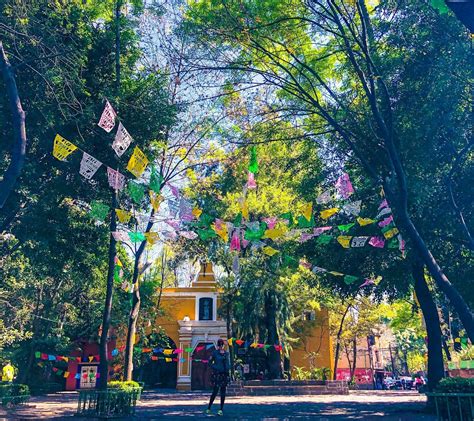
<point>453,406</point>
<point>108,403</point>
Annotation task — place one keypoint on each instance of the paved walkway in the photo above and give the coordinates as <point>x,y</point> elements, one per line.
<point>169,405</point>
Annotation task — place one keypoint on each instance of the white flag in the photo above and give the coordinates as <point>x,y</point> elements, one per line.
<point>324,197</point>
<point>352,208</point>
<point>122,140</point>
<point>116,179</point>
<point>107,119</point>
<point>384,211</point>
<point>120,236</point>
<point>359,241</point>
<point>89,166</point>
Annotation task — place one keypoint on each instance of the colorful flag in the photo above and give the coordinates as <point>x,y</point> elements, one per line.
<point>89,166</point>
<point>349,279</point>
<point>116,179</point>
<point>344,240</point>
<point>352,208</point>
<point>324,239</point>
<point>135,191</point>
<point>151,237</point>
<point>155,180</point>
<point>317,269</point>
<point>235,241</point>
<point>197,212</point>
<point>344,186</point>
<point>99,210</point>
<point>62,148</point>
<point>253,164</point>
<point>386,221</point>
<point>190,235</point>
<point>107,119</point>
<point>155,200</point>
<point>384,211</point>
<point>274,233</point>
<point>326,214</point>
<point>269,251</point>
<point>319,230</point>
<point>270,221</point>
<point>137,163</point>
<point>365,221</point>
<point>308,211</point>
<point>324,198</point>
<point>251,183</point>
<point>123,215</point>
<point>384,204</point>
<point>390,233</point>
<point>377,242</point>
<point>359,241</point>
<point>345,227</point>
<point>174,190</point>
<point>122,140</point>
<point>136,237</point>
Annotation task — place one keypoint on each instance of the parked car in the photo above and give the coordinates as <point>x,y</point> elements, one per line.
<point>406,382</point>
<point>389,383</point>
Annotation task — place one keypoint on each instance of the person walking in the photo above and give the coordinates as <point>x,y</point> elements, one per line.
<point>220,366</point>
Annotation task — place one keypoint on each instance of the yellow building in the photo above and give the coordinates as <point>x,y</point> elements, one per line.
<point>191,321</point>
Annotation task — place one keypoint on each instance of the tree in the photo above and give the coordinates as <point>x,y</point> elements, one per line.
<point>355,103</point>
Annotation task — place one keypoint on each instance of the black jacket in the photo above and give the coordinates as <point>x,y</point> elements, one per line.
<point>220,362</point>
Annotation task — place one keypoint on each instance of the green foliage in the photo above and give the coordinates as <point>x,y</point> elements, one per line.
<point>13,393</point>
<point>299,373</point>
<point>455,385</point>
<point>126,386</point>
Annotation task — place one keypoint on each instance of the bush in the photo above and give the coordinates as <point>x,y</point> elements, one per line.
<point>455,385</point>
<point>457,404</point>
<point>126,385</point>
<point>13,393</point>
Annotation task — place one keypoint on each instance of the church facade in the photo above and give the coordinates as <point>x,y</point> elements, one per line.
<point>192,323</point>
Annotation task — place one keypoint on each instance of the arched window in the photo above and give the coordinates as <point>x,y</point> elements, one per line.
<point>205,309</point>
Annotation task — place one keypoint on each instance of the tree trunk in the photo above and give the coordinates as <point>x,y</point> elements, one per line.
<point>455,298</point>
<point>19,130</point>
<point>433,329</point>
<point>274,363</point>
<point>103,367</point>
<point>338,342</point>
<point>354,355</point>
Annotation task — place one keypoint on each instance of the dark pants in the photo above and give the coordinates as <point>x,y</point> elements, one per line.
<point>215,390</point>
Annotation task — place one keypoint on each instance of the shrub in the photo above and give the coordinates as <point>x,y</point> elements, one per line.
<point>455,385</point>
<point>13,393</point>
<point>125,385</point>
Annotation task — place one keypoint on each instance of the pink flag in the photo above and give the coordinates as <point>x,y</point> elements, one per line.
<point>116,179</point>
<point>120,236</point>
<point>377,242</point>
<point>367,282</point>
<point>174,190</point>
<point>190,235</point>
<point>386,221</point>
<point>235,241</point>
<point>344,186</point>
<point>384,204</point>
<point>251,184</point>
<point>245,242</point>
<point>173,223</point>
<point>271,221</point>
<point>177,351</point>
<point>107,119</point>
<point>320,230</point>
<point>305,237</point>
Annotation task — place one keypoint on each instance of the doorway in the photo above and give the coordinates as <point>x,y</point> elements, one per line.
<point>200,371</point>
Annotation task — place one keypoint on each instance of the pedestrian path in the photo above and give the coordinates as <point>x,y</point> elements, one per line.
<point>169,405</point>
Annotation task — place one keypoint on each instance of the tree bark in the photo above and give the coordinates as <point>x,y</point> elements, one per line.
<point>338,342</point>
<point>19,130</point>
<point>274,361</point>
<point>104,365</point>
<point>354,354</point>
<point>432,322</point>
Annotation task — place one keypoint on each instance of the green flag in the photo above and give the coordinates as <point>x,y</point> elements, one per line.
<point>206,234</point>
<point>324,239</point>
<point>289,217</point>
<point>253,164</point>
<point>253,235</point>
<point>136,191</point>
<point>136,237</point>
<point>349,279</point>
<point>345,227</point>
<point>238,220</point>
<point>304,223</point>
<point>155,180</point>
<point>99,210</point>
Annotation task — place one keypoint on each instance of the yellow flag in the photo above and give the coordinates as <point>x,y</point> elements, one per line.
<point>365,221</point>
<point>155,200</point>
<point>123,215</point>
<point>254,345</point>
<point>229,341</point>
<point>221,231</point>
<point>325,214</point>
<point>307,211</point>
<point>168,360</point>
<point>345,240</point>
<point>245,209</point>
<point>151,237</point>
<point>197,212</point>
<point>390,233</point>
<point>62,148</point>
<point>336,273</point>
<point>137,163</point>
<point>167,351</point>
<point>270,251</point>
<point>275,233</point>
<point>66,374</point>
